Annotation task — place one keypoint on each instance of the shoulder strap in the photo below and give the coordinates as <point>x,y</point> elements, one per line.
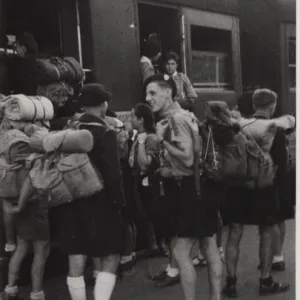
<point>197,161</point>
<point>249,123</point>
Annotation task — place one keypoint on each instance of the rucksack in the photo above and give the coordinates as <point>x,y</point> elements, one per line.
<point>12,172</point>
<point>226,163</point>
<point>232,156</point>
<point>54,69</point>
<point>66,177</point>
<point>57,92</point>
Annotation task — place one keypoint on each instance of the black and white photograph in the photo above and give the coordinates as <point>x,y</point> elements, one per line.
<point>148,149</point>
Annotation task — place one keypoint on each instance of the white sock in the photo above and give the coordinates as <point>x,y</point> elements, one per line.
<point>10,247</point>
<point>76,287</point>
<point>11,291</point>
<point>278,258</point>
<point>125,259</point>
<point>173,272</point>
<point>37,296</point>
<point>200,256</point>
<point>168,268</point>
<point>104,287</point>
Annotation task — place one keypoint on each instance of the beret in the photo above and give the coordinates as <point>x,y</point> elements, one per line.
<point>94,94</point>
<point>263,97</point>
<point>163,78</point>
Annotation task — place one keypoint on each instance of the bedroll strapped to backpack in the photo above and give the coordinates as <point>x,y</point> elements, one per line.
<point>66,177</point>
<point>54,69</point>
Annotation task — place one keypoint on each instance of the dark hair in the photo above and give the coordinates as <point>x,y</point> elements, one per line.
<point>172,55</point>
<point>143,110</point>
<point>26,39</point>
<point>152,47</point>
<point>187,104</point>
<point>110,113</point>
<point>245,105</point>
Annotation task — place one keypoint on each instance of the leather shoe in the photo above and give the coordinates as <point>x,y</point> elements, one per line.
<point>168,281</point>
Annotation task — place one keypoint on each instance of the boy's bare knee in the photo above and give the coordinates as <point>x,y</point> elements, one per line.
<point>110,263</point>
<point>76,265</point>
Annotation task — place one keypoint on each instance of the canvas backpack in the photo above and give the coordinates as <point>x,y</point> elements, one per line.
<point>57,92</point>
<point>66,177</point>
<point>231,155</point>
<point>12,173</point>
<point>226,163</point>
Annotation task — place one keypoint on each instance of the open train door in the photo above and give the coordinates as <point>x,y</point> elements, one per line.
<point>165,21</point>
<point>211,52</point>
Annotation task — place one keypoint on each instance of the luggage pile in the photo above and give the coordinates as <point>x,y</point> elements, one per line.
<point>55,162</point>
<point>20,115</point>
<point>56,78</point>
<point>63,168</point>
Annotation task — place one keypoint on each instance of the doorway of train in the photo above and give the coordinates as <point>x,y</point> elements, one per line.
<point>165,21</point>
<point>207,43</point>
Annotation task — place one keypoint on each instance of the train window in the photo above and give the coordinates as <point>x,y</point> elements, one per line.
<point>40,18</point>
<point>292,62</point>
<point>211,58</point>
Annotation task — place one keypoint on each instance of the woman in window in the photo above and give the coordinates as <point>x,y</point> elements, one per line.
<point>186,95</point>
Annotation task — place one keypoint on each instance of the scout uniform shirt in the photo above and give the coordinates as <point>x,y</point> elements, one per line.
<point>179,128</point>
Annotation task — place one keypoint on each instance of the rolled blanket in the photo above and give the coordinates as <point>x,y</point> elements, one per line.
<point>286,122</point>
<point>67,141</point>
<point>30,129</point>
<point>28,108</point>
<point>263,131</point>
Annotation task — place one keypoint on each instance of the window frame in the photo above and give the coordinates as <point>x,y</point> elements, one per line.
<point>217,83</point>
<point>291,65</point>
<point>195,17</point>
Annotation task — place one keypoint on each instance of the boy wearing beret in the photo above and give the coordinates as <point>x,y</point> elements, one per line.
<point>92,226</point>
<point>186,220</point>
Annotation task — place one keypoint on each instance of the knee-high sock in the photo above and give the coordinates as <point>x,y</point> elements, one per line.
<point>76,287</point>
<point>105,284</point>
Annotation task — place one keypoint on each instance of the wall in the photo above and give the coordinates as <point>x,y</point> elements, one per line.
<point>287,10</point>
<point>262,48</point>
<point>259,36</point>
<point>2,20</point>
<point>69,28</point>
<point>222,6</point>
<point>115,52</point>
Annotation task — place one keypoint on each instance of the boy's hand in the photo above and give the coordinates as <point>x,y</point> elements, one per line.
<point>11,209</point>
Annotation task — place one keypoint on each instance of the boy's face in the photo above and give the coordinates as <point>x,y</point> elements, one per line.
<point>171,66</point>
<point>157,97</point>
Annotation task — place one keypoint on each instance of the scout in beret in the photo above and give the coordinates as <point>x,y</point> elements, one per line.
<point>164,80</point>
<point>92,226</point>
<point>95,96</point>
